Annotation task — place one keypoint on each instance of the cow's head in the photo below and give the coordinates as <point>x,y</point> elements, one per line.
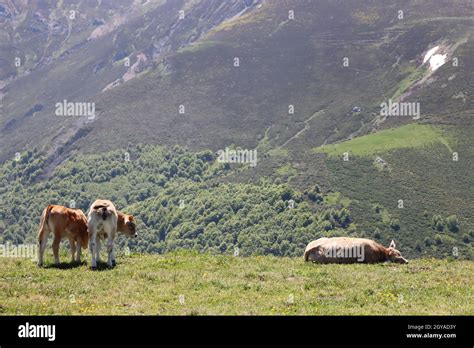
<point>126,224</point>
<point>394,255</point>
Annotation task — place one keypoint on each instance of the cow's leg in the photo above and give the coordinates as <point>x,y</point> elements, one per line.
<point>56,242</point>
<point>42,241</point>
<point>78,251</point>
<point>113,257</point>
<point>93,247</point>
<point>110,250</point>
<point>72,245</point>
<point>96,249</point>
<point>112,234</point>
<point>99,247</point>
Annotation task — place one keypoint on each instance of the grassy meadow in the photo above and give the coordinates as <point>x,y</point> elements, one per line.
<point>412,135</point>
<point>190,283</point>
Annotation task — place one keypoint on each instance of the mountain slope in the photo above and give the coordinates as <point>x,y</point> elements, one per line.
<point>283,62</point>
<point>79,72</point>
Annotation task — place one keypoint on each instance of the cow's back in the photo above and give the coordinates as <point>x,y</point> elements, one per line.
<point>79,228</point>
<point>64,217</point>
<point>345,250</point>
<point>67,222</point>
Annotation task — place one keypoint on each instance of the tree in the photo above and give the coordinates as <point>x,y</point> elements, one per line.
<point>437,222</point>
<point>377,208</point>
<point>395,224</point>
<point>377,233</point>
<point>452,223</point>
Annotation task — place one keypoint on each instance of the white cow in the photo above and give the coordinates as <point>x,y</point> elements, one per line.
<point>102,223</point>
<point>351,250</point>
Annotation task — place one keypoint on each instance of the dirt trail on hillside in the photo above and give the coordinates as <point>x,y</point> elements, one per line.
<point>306,127</point>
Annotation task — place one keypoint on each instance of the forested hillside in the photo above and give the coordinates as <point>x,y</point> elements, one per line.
<point>177,199</point>
<point>185,199</point>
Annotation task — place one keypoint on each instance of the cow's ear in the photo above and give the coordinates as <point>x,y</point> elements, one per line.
<point>392,244</point>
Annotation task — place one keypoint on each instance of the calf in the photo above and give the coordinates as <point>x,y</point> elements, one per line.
<point>351,250</point>
<point>63,222</point>
<point>104,222</point>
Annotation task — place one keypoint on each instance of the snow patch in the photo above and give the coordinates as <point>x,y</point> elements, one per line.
<point>435,60</point>
<point>430,53</point>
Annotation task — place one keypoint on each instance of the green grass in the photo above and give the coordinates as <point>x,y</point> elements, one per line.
<point>286,171</point>
<point>334,198</point>
<point>409,136</point>
<point>413,76</point>
<point>208,284</point>
<point>201,46</point>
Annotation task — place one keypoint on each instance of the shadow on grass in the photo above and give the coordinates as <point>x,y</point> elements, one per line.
<point>102,266</point>
<point>66,265</point>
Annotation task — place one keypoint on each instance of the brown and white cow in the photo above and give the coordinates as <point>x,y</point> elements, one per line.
<point>104,221</point>
<point>126,224</point>
<point>351,250</point>
<point>63,222</point>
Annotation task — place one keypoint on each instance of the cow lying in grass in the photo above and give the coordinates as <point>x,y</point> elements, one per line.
<point>63,222</point>
<point>351,250</point>
<point>103,222</point>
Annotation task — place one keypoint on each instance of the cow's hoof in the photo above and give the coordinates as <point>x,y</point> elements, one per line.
<point>94,268</point>
<point>114,263</point>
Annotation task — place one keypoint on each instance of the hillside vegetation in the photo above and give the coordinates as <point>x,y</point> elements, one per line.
<point>177,199</point>
<point>190,283</point>
<point>187,200</point>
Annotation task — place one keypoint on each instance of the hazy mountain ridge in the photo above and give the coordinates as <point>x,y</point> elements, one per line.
<point>297,62</point>
<point>80,73</point>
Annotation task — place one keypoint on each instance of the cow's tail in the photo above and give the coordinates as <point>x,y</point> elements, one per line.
<point>44,222</point>
<point>306,255</point>
<point>103,211</point>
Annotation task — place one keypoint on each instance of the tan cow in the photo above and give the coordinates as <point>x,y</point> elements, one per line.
<point>351,250</point>
<point>63,222</point>
<point>104,221</point>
